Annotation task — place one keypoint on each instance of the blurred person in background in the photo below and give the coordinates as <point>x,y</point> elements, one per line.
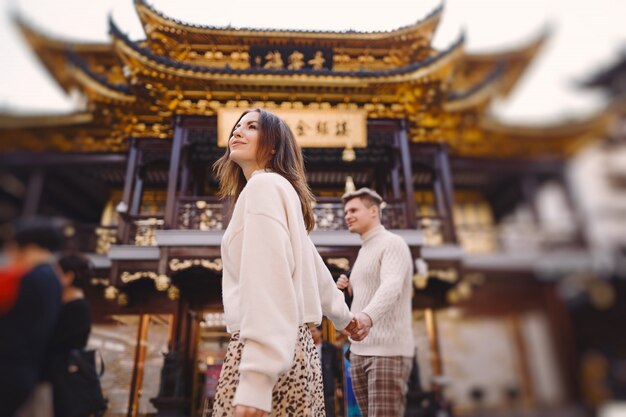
<point>28,315</point>
<point>72,329</point>
<point>330,369</point>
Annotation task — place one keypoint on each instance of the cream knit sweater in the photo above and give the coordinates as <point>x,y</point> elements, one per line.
<point>381,280</point>
<point>273,281</point>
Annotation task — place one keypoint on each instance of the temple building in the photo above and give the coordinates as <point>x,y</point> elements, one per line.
<point>486,207</point>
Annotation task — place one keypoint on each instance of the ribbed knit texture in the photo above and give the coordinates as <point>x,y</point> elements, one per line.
<point>273,281</point>
<point>381,280</point>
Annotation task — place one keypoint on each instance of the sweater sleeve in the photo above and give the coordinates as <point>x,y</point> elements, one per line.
<point>333,302</point>
<point>269,326</point>
<point>395,265</point>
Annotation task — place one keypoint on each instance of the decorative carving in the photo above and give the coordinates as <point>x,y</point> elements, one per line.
<point>274,60</point>
<point>341,263</point>
<point>200,215</point>
<point>107,236</point>
<point>161,281</point>
<point>318,60</point>
<point>110,293</point>
<point>145,234</point>
<point>296,60</point>
<point>127,277</point>
<point>177,264</point>
<point>173,293</point>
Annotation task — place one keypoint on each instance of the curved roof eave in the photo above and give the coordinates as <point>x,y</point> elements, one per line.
<point>428,24</point>
<point>481,92</point>
<point>259,75</point>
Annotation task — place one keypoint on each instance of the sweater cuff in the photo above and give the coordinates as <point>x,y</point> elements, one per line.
<point>373,313</point>
<point>342,324</point>
<point>254,390</point>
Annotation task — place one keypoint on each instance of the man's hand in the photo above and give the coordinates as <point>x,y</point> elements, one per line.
<point>363,328</point>
<point>244,411</point>
<point>355,329</point>
<point>343,283</point>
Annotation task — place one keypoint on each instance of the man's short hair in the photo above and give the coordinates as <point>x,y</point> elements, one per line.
<point>365,194</point>
<point>37,231</point>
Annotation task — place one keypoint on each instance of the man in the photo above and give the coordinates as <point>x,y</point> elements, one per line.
<point>330,369</point>
<point>28,318</point>
<point>381,284</point>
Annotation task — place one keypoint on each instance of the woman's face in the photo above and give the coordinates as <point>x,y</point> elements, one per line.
<point>244,142</point>
<point>66,278</point>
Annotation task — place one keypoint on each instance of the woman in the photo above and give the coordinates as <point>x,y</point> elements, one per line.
<point>73,327</point>
<point>274,281</point>
<point>74,323</point>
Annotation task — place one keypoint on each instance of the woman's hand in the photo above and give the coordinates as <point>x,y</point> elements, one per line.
<point>245,411</point>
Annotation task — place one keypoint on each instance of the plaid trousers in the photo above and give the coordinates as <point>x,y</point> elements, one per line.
<point>380,384</point>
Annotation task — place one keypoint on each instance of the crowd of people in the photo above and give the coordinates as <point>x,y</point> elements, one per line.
<point>44,319</point>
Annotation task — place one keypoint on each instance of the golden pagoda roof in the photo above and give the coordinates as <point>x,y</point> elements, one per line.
<point>490,137</point>
<point>52,52</point>
<point>155,21</point>
<point>44,120</point>
<point>134,88</point>
<point>479,78</point>
<point>97,86</point>
<point>151,62</point>
<point>515,61</point>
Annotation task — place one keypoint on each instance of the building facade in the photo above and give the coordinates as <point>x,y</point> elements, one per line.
<point>486,207</point>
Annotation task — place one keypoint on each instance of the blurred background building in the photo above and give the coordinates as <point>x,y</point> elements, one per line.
<point>518,231</point>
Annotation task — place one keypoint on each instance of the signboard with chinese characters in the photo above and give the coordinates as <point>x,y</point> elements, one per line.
<point>333,128</point>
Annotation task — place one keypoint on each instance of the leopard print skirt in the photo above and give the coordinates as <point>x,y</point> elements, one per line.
<point>298,393</point>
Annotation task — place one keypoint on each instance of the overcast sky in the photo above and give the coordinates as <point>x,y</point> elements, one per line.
<point>585,36</point>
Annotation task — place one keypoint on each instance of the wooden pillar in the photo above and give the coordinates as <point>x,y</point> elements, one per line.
<point>407,172</point>
<point>328,331</point>
<point>529,191</point>
<point>527,394</point>
<point>185,174</point>
<point>33,193</point>
<point>444,194</point>
<point>562,332</point>
<point>170,203</point>
<point>129,182</point>
<point>578,217</point>
<point>138,368</point>
<point>135,205</point>
<point>395,182</point>
<point>435,349</point>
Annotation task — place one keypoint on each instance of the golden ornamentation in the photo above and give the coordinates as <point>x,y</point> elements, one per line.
<point>420,281</point>
<point>122,299</point>
<point>318,60</point>
<point>127,277</point>
<point>178,264</point>
<point>296,60</point>
<point>162,282</point>
<point>449,275</point>
<point>349,187</point>
<point>173,293</point>
<point>274,60</point>
<point>110,293</point>
<point>341,263</point>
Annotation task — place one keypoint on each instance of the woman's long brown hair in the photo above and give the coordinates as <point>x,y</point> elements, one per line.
<point>277,152</point>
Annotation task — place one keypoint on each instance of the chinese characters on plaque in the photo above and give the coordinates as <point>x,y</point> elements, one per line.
<point>312,128</point>
<point>291,58</point>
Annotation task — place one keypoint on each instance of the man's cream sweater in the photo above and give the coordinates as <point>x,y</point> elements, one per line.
<point>273,281</point>
<point>381,280</point>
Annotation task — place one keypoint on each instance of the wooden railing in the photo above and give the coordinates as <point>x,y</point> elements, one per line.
<point>211,213</point>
